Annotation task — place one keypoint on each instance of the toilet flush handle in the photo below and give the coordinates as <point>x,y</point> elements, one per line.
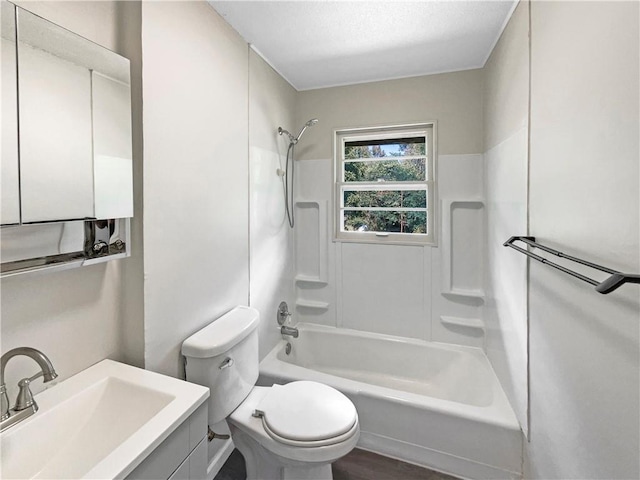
<point>226,363</point>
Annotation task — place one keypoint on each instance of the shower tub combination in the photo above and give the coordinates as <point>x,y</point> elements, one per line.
<point>436,405</point>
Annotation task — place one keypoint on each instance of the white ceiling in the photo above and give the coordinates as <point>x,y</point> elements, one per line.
<point>316,44</point>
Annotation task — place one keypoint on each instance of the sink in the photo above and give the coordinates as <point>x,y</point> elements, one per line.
<point>100,423</point>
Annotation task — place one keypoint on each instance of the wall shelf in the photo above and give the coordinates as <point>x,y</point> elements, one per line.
<point>449,287</point>
<point>463,322</point>
<point>312,305</point>
<point>310,279</point>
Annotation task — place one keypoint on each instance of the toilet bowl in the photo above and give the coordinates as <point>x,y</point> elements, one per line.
<point>293,431</point>
<point>287,440</point>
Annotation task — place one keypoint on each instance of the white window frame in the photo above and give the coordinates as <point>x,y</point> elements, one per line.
<point>426,129</point>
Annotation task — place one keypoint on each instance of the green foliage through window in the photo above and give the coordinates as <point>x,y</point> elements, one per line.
<point>380,161</point>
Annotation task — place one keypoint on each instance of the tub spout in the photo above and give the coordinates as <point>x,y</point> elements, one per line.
<point>292,331</point>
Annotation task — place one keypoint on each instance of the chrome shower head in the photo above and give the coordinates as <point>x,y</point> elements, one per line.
<point>292,139</point>
<point>310,123</point>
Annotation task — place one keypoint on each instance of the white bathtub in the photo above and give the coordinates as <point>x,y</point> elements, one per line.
<point>431,404</point>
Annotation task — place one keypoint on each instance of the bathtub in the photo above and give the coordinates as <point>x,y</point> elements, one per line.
<point>436,405</point>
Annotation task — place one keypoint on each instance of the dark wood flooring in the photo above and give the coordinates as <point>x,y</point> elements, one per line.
<point>357,465</point>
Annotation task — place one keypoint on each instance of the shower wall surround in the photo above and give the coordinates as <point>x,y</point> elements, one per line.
<point>505,107</point>
<point>394,289</point>
<point>271,103</point>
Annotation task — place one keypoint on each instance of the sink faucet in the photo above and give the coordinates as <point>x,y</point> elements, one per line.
<point>293,331</point>
<point>25,404</point>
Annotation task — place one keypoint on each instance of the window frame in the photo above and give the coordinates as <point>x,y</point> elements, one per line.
<point>342,135</point>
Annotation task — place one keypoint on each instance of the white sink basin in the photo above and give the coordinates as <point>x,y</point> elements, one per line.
<point>100,423</point>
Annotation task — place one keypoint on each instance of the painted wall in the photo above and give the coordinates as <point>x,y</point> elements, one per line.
<point>132,306</point>
<point>506,110</point>
<point>196,189</point>
<point>584,200</point>
<point>357,285</point>
<point>271,104</point>
<point>76,317</point>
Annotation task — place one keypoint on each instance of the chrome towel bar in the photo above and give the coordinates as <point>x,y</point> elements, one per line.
<point>615,280</point>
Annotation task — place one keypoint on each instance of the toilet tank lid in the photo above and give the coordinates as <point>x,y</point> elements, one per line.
<point>222,334</point>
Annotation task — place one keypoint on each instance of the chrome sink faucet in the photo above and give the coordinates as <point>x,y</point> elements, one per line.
<point>25,404</point>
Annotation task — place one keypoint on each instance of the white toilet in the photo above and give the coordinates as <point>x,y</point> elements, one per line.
<point>293,431</point>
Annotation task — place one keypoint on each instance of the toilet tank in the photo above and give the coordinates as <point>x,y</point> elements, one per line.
<point>224,357</point>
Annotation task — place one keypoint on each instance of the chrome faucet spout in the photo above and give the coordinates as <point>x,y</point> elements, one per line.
<point>48,372</point>
<point>292,331</point>
<point>25,405</point>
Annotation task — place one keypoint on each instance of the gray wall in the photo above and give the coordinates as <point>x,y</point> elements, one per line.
<point>79,317</point>
<point>584,199</point>
<point>196,192</point>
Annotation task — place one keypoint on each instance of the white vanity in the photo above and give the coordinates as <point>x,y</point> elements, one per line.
<point>112,421</point>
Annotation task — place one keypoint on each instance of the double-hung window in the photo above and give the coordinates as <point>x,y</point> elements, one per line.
<point>385,185</point>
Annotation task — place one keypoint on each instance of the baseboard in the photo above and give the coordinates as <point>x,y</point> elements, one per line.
<point>432,459</point>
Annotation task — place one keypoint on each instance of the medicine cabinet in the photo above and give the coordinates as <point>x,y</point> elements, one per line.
<point>67,186</point>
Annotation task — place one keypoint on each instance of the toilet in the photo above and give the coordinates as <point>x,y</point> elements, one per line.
<point>293,431</point>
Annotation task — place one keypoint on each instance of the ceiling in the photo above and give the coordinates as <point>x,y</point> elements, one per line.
<point>315,44</point>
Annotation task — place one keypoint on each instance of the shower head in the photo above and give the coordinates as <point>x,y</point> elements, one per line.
<point>292,139</point>
<point>310,123</point>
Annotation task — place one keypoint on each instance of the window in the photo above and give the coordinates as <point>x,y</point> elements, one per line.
<point>385,185</point>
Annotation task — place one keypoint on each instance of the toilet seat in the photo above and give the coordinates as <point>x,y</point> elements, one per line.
<point>243,420</point>
<point>307,414</point>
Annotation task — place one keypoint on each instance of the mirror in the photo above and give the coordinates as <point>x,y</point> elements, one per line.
<point>10,188</point>
<point>75,126</point>
<point>67,186</point>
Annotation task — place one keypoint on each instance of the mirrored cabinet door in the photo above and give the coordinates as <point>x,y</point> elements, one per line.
<point>9,176</point>
<point>112,151</point>
<point>75,125</point>
<point>56,168</point>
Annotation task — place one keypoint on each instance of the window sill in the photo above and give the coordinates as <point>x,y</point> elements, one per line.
<point>391,239</point>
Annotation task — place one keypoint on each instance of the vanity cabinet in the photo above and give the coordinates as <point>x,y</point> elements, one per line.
<point>182,456</point>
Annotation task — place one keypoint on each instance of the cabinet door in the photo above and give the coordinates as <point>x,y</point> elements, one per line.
<point>9,177</point>
<point>56,164</point>
<point>112,159</point>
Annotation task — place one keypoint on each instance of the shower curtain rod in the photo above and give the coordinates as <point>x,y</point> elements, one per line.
<point>615,280</point>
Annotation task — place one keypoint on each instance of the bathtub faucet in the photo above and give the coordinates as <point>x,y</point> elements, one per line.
<point>293,331</point>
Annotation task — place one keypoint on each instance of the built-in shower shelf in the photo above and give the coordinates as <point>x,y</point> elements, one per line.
<point>469,293</point>
<point>311,304</point>
<point>310,279</point>
<point>461,273</point>
<point>459,297</point>
<point>463,322</point>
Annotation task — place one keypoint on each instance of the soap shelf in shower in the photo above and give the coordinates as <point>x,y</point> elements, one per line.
<point>463,322</point>
<point>451,286</point>
<point>310,279</point>
<point>615,280</point>
<point>312,304</point>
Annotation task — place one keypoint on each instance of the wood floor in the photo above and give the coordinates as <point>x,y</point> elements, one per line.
<point>363,465</point>
<point>357,465</point>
